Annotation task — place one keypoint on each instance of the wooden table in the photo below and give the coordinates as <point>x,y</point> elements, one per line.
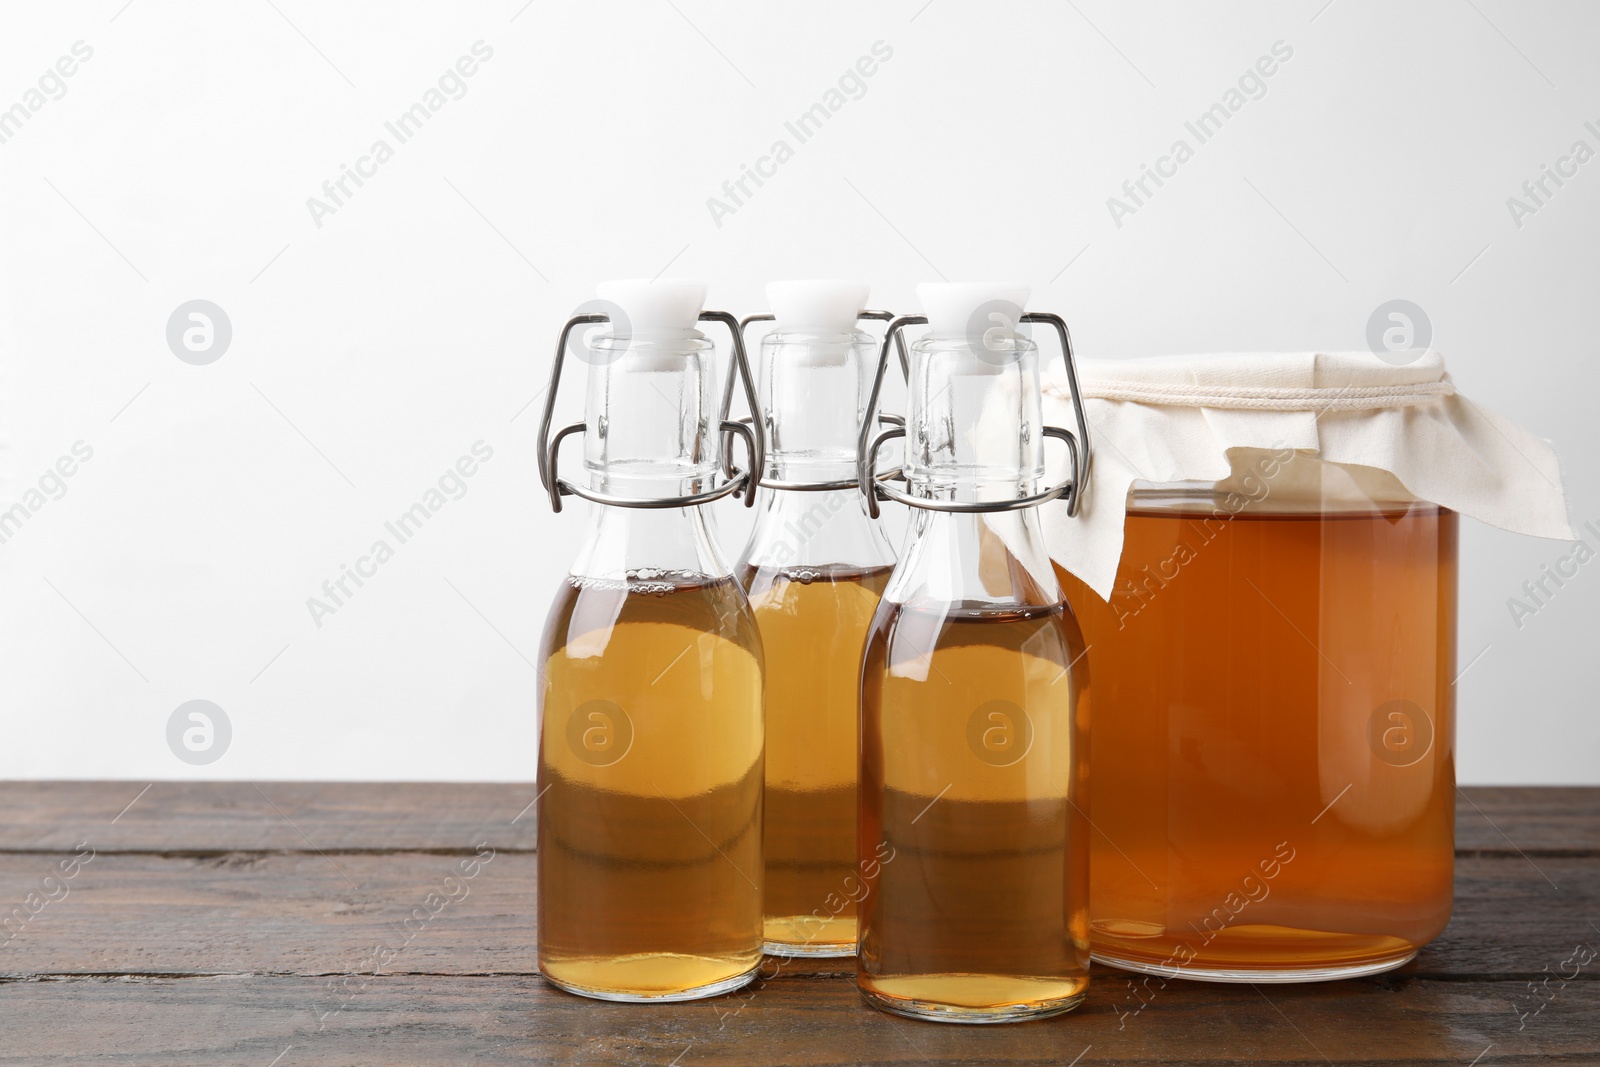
<point>290,924</point>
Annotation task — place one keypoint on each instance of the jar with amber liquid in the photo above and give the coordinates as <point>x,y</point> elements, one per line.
<point>973,828</point>
<point>1274,724</point>
<point>650,713</point>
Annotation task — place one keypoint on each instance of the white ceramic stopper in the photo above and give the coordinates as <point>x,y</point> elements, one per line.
<point>825,306</point>
<point>953,307</point>
<point>656,306</point>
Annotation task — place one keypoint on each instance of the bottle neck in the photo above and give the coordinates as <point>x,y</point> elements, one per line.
<point>974,420</point>
<point>992,560</point>
<point>813,390</point>
<point>642,546</point>
<point>650,425</point>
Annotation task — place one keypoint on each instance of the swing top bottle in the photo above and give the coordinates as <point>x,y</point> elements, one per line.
<point>973,768</point>
<point>814,567</point>
<point>650,741</point>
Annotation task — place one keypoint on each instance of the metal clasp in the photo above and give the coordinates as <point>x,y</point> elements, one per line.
<point>735,479</point>
<point>875,484</point>
<point>807,487</point>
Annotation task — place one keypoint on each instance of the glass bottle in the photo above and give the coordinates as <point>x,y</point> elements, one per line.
<point>814,568</point>
<point>1281,793</point>
<point>650,731</point>
<point>973,765</point>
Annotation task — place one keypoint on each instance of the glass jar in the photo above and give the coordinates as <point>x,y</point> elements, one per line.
<point>1274,724</point>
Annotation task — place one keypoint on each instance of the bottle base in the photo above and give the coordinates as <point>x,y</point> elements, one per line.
<point>810,950</point>
<point>1262,975</point>
<point>974,999</point>
<point>809,936</point>
<point>665,995</point>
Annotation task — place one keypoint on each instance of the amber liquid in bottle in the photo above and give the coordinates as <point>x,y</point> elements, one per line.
<point>651,758</point>
<point>813,623</point>
<point>1273,741</point>
<point>976,908</point>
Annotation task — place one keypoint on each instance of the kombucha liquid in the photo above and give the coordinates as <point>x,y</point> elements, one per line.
<point>1273,741</point>
<point>813,623</point>
<point>650,761</point>
<point>978,861</point>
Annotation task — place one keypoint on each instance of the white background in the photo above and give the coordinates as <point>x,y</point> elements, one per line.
<point>372,351</point>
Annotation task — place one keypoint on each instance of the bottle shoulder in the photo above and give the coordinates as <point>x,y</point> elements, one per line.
<point>816,530</point>
<point>766,583</point>
<point>921,629</point>
<point>683,605</point>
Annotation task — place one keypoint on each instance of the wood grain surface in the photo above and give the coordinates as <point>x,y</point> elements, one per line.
<point>236,923</point>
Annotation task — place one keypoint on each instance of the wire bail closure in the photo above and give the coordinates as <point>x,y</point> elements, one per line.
<point>736,480</point>
<point>807,487</point>
<point>875,486</point>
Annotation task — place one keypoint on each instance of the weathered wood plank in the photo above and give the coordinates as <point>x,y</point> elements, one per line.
<point>1552,819</point>
<point>303,913</point>
<point>246,816</point>
<point>236,923</point>
<point>340,816</point>
<point>506,1019</point>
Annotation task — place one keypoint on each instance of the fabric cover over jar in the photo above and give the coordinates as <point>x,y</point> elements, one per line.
<point>1176,418</point>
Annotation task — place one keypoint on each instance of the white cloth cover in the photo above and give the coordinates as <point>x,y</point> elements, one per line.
<point>1172,419</point>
